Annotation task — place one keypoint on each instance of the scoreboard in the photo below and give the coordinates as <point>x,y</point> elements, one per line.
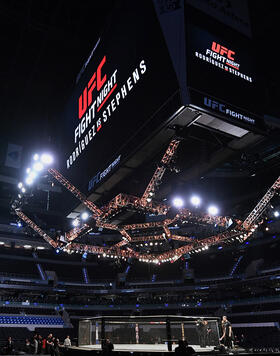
<point>128,78</point>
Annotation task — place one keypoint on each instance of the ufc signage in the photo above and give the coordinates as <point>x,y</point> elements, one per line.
<point>222,58</point>
<point>95,82</point>
<point>222,50</point>
<point>228,110</point>
<point>215,105</point>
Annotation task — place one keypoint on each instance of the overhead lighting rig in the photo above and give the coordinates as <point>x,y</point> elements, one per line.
<point>124,249</point>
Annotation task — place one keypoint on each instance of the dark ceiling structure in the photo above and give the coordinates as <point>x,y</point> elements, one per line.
<point>46,44</point>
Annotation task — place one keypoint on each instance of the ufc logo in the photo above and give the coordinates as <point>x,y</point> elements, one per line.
<point>215,105</point>
<point>96,81</point>
<point>222,50</point>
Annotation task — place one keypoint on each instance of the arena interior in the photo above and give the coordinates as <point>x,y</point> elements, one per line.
<point>139,177</point>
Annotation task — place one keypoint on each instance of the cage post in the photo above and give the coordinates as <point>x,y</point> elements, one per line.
<point>137,333</point>
<point>168,334</point>
<point>183,331</point>
<point>102,333</point>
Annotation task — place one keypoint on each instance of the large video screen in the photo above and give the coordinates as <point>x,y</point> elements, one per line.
<point>221,74</point>
<point>128,78</point>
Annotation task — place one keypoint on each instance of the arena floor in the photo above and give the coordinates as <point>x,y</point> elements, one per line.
<point>144,347</point>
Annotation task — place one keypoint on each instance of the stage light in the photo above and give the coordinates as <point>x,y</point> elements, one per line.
<point>27,246</point>
<point>20,185</point>
<point>28,170</point>
<point>23,190</point>
<point>84,255</point>
<point>276,214</point>
<point>84,215</point>
<point>266,229</point>
<point>213,210</point>
<point>75,222</point>
<point>19,224</point>
<point>195,200</point>
<point>38,166</point>
<point>32,175</point>
<point>36,157</point>
<point>57,250</point>
<point>19,196</point>
<point>29,180</point>
<point>178,202</point>
<point>149,200</point>
<point>46,158</point>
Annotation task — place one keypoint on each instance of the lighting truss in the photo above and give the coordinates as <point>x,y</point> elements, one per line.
<point>159,172</point>
<point>139,232</point>
<point>36,228</point>
<point>77,231</point>
<point>261,206</point>
<point>89,204</point>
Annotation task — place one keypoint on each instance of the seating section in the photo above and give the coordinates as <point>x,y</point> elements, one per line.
<point>31,320</point>
<point>22,310</point>
<point>13,267</point>
<point>103,271</point>
<point>65,272</point>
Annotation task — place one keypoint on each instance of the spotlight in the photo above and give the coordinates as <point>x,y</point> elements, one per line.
<point>276,214</point>
<point>195,200</point>
<point>20,185</point>
<point>213,210</point>
<point>149,200</point>
<point>46,158</point>
<point>266,229</point>
<point>57,250</point>
<point>28,181</point>
<point>23,190</point>
<point>32,174</point>
<point>36,157</point>
<point>19,196</point>
<point>84,216</point>
<point>75,222</point>
<point>28,170</point>
<point>178,202</point>
<point>38,166</point>
<point>19,224</point>
<point>84,255</point>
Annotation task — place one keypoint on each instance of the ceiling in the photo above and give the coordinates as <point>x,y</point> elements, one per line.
<point>46,44</point>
